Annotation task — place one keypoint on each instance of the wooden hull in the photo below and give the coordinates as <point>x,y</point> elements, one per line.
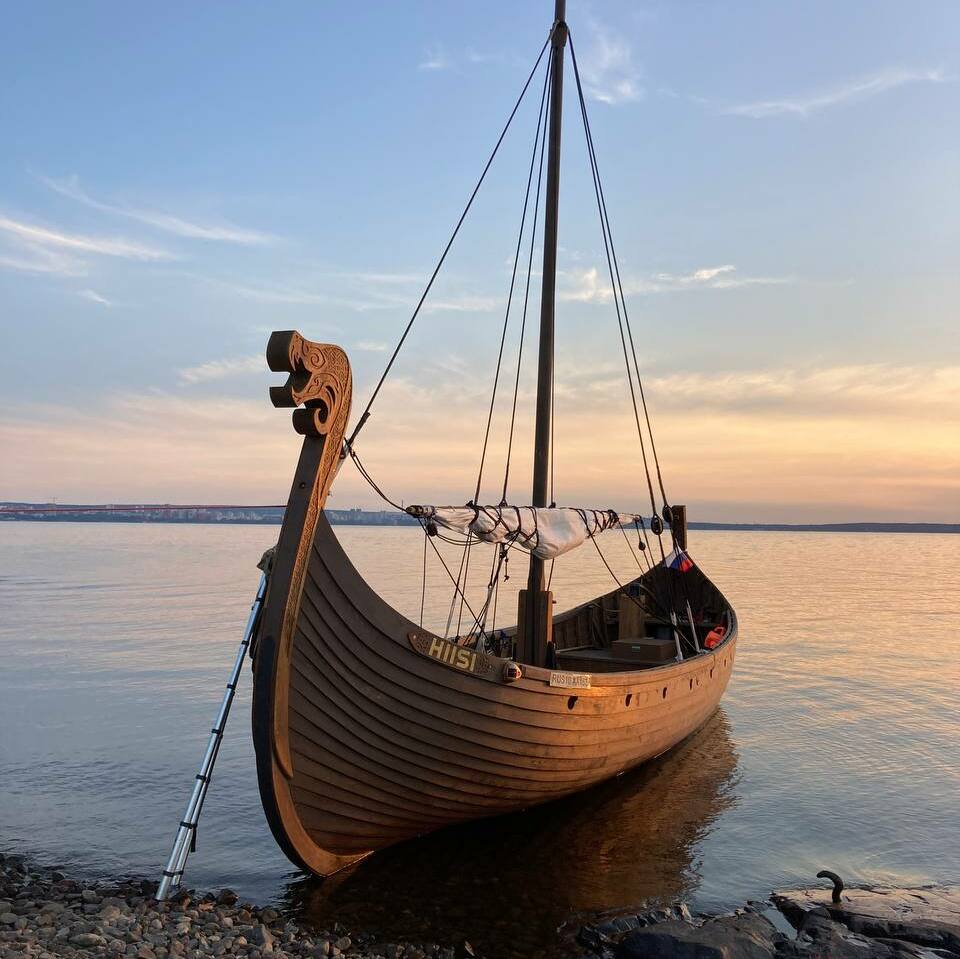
<point>386,743</point>
<point>363,738</point>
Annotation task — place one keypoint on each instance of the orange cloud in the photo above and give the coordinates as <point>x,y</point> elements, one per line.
<point>848,442</point>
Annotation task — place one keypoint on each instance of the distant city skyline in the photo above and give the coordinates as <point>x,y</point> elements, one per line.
<point>178,181</point>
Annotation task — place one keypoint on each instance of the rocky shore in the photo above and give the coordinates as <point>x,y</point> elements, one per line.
<point>794,924</point>
<point>46,915</point>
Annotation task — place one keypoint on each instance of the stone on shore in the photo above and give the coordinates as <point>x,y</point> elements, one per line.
<point>924,917</point>
<point>44,915</point>
<point>748,936</point>
<point>866,924</point>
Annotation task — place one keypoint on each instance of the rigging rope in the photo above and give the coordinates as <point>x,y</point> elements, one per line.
<point>443,563</point>
<point>623,589</point>
<point>619,284</point>
<point>370,481</point>
<point>541,115</point>
<point>423,587</point>
<point>465,569</point>
<point>366,412</point>
<point>626,336</point>
<point>616,301</point>
<point>553,419</point>
<point>144,508</point>
<point>633,552</point>
<point>513,279</point>
<point>526,303</point>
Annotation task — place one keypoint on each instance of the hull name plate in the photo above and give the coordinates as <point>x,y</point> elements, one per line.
<point>570,680</point>
<point>450,654</point>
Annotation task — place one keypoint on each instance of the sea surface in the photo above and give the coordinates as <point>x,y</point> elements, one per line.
<point>837,744</point>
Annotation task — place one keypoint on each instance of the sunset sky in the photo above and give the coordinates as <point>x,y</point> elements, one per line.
<point>177,180</point>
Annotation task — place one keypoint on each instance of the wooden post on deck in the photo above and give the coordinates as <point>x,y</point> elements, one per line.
<point>678,524</point>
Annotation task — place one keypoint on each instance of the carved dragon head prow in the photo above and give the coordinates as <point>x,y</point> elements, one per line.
<point>320,381</point>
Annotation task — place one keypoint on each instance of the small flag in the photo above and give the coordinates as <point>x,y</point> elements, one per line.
<point>679,561</point>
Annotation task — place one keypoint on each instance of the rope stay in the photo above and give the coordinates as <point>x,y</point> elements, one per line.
<point>542,113</point>
<point>641,414</point>
<point>348,444</point>
<point>623,322</point>
<point>133,508</point>
<point>607,244</point>
<point>513,279</point>
<point>617,288</point>
<point>526,300</point>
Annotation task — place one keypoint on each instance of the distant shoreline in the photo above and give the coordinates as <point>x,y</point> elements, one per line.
<point>272,516</point>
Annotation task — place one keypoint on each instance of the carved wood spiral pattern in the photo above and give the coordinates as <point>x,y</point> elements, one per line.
<point>320,380</point>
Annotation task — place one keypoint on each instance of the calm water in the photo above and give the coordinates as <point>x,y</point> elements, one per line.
<point>836,746</point>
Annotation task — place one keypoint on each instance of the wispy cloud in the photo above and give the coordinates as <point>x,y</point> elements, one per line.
<point>367,290</point>
<point>385,279</point>
<point>32,258</point>
<point>435,58</point>
<point>364,293</point>
<point>476,56</point>
<point>466,303</point>
<point>609,73</point>
<point>280,294</point>
<point>191,229</point>
<point>711,278</point>
<point>370,346</point>
<point>34,235</point>
<point>875,389</point>
<point>94,297</point>
<point>169,223</point>
<point>221,369</point>
<point>852,91</point>
<point>592,286</point>
<point>677,95</point>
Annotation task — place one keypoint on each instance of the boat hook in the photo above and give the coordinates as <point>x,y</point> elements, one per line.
<point>186,841</point>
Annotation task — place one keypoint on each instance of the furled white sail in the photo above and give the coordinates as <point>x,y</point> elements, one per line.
<point>547,532</point>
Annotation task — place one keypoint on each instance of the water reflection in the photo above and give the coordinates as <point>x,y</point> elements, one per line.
<point>507,884</point>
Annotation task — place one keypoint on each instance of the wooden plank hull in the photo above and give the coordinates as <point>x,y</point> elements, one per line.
<point>387,744</point>
<point>363,738</point>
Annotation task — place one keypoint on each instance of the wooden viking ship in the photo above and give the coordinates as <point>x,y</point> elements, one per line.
<point>370,729</point>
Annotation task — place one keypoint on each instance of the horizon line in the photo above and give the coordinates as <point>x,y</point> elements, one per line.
<point>22,511</point>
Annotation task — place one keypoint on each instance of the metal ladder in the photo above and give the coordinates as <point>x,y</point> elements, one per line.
<point>186,841</point>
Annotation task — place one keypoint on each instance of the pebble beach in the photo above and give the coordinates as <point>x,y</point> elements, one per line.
<point>44,914</point>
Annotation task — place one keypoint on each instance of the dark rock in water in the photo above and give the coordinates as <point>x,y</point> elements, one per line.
<point>590,937</point>
<point>820,937</point>
<point>865,924</point>
<point>928,918</point>
<point>227,897</point>
<point>727,937</point>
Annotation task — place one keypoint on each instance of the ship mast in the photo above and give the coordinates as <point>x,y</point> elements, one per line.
<point>536,605</point>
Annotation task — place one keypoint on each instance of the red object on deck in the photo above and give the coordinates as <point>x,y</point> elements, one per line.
<point>715,637</point>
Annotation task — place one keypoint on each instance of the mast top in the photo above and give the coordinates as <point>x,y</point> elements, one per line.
<point>560,21</point>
